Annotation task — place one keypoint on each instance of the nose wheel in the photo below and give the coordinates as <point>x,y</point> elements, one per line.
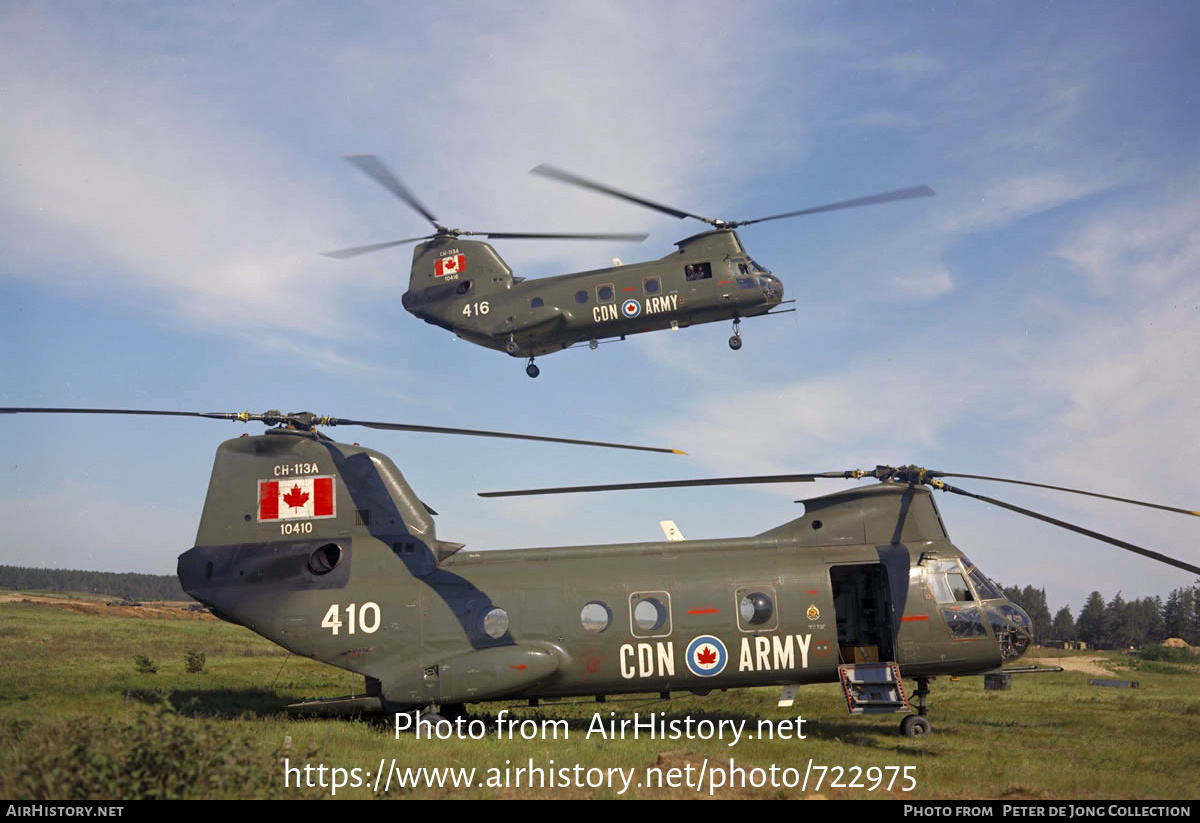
<point>735,342</point>
<point>511,346</point>
<point>532,370</point>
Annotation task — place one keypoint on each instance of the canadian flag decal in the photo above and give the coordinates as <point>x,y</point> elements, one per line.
<point>302,497</point>
<point>452,264</point>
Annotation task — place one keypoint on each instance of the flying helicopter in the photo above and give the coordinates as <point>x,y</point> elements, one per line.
<point>323,548</point>
<point>465,287</point>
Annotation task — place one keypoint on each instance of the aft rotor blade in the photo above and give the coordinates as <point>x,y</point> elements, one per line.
<point>1153,555</point>
<point>342,254</point>
<point>308,421</point>
<point>375,168</point>
<point>886,197</point>
<point>485,433</point>
<point>575,180</point>
<point>671,484</point>
<point>1072,491</point>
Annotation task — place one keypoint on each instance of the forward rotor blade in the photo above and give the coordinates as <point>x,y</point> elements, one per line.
<point>373,167</point>
<point>636,238</point>
<point>671,484</point>
<point>485,433</point>
<point>1153,555</point>
<point>1072,491</point>
<point>886,197</point>
<point>342,254</point>
<point>575,180</point>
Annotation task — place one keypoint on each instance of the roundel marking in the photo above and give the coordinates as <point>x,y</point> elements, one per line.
<point>706,656</point>
<point>631,308</point>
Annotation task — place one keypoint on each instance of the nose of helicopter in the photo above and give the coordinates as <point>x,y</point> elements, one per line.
<point>1014,630</point>
<point>772,289</point>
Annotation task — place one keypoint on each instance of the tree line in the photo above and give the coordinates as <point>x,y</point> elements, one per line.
<point>1117,623</point>
<point>125,585</point>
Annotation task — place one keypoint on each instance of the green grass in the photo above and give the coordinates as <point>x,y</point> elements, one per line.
<point>78,720</point>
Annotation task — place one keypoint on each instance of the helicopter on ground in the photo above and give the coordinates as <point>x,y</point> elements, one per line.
<point>465,287</point>
<point>323,548</point>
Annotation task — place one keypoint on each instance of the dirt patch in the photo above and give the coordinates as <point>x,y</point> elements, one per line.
<point>1087,665</point>
<point>155,611</point>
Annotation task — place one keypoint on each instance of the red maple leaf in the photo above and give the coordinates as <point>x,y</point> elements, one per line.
<point>706,657</point>
<point>296,498</point>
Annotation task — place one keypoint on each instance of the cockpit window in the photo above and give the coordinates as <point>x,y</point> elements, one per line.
<point>986,589</point>
<point>947,582</point>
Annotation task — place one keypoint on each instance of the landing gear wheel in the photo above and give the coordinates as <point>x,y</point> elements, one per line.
<point>532,370</point>
<point>511,346</point>
<point>915,726</point>
<point>593,344</point>
<point>735,342</point>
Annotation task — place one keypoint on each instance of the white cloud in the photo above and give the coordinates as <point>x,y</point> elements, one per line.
<point>1138,248</point>
<point>1019,196</point>
<point>926,284</point>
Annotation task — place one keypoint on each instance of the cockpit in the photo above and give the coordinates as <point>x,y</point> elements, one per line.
<point>751,275</point>
<point>968,607</point>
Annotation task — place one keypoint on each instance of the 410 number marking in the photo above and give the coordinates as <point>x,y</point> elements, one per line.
<point>366,617</point>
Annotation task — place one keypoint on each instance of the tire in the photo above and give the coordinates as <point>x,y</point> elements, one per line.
<point>915,726</point>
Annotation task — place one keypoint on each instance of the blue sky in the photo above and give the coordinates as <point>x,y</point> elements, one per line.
<point>171,171</point>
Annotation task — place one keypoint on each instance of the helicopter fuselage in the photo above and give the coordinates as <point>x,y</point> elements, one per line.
<point>356,577</point>
<point>464,286</point>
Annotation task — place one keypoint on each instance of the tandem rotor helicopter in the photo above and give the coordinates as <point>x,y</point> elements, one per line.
<point>323,548</point>
<point>465,287</point>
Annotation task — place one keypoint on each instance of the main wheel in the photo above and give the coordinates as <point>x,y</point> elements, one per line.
<point>532,370</point>
<point>735,342</point>
<point>915,726</point>
<point>511,347</point>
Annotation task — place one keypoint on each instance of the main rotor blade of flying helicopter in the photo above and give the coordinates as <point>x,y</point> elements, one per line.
<point>885,197</point>
<point>375,168</point>
<point>342,254</point>
<point>1153,555</point>
<point>575,180</point>
<point>307,421</point>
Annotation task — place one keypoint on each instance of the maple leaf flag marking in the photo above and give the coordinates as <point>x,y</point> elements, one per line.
<point>301,498</point>
<point>453,264</point>
<point>706,656</point>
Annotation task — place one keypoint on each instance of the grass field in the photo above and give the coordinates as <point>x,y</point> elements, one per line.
<point>79,720</point>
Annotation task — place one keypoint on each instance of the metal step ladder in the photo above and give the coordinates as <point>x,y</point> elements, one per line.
<point>873,687</point>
